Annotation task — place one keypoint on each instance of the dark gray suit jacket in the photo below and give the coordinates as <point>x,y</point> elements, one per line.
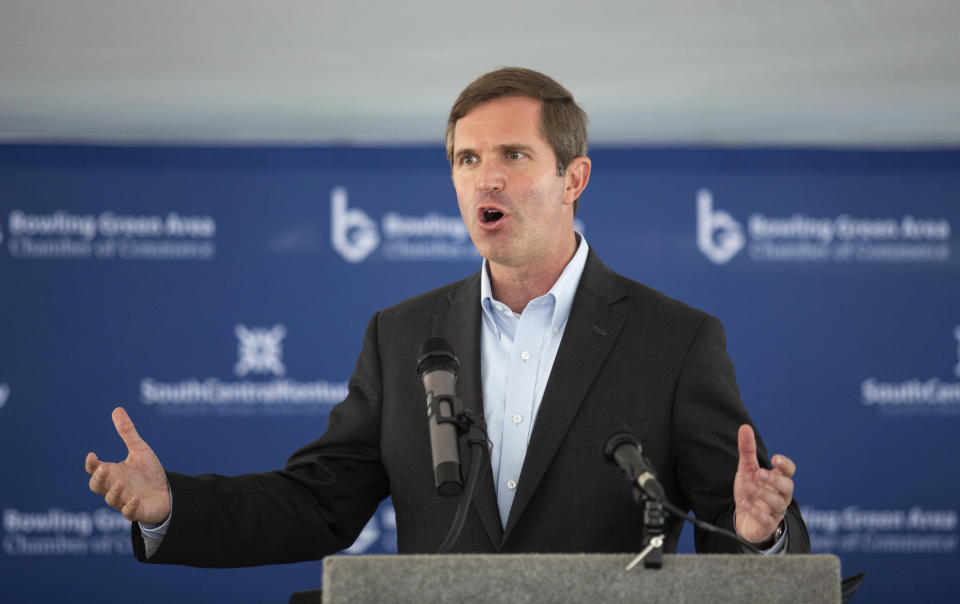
<point>631,359</point>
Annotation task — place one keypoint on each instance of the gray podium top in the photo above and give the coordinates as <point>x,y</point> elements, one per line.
<point>516,578</point>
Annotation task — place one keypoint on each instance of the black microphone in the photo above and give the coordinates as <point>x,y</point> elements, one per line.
<point>624,450</point>
<point>438,367</point>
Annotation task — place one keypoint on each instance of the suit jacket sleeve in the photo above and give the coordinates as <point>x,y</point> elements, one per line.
<point>315,506</point>
<point>706,415</point>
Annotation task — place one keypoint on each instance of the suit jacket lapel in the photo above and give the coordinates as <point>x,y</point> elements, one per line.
<point>460,324</point>
<point>592,329</point>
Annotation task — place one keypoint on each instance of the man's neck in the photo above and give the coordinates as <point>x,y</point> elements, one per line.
<point>516,286</point>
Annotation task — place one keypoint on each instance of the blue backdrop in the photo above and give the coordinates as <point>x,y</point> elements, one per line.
<point>220,295</point>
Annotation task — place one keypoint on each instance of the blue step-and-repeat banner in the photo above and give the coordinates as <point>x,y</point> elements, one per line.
<point>221,295</point>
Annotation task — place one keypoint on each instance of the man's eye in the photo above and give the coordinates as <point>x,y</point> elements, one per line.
<point>468,160</point>
<point>516,155</point>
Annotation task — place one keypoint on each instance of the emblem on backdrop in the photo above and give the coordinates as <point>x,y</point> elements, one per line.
<point>352,232</point>
<point>260,350</point>
<point>798,238</point>
<point>259,353</point>
<point>719,236</point>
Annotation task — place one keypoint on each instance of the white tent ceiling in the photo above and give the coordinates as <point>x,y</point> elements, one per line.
<point>842,72</point>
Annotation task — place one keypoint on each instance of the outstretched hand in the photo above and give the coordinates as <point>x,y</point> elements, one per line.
<point>137,486</point>
<point>761,495</point>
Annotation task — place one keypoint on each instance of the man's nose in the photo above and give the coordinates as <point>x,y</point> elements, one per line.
<point>491,177</point>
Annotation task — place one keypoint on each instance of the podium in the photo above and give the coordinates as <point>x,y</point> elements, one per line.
<point>516,578</point>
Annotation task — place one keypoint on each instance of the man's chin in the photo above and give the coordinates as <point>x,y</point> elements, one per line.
<point>494,249</point>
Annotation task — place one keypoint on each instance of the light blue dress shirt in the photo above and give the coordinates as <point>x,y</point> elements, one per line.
<point>517,354</point>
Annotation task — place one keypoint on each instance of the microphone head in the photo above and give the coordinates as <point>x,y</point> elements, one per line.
<point>437,354</point>
<point>621,438</point>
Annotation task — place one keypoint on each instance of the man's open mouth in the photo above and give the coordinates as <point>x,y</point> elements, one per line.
<point>492,215</point>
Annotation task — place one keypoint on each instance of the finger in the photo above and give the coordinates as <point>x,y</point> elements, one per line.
<point>98,479</point>
<point>772,503</point>
<point>747,444</point>
<point>114,496</point>
<point>776,483</point>
<point>125,428</point>
<point>785,465</point>
<point>91,463</point>
<point>129,510</point>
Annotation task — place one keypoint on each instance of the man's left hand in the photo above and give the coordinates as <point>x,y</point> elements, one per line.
<point>761,495</point>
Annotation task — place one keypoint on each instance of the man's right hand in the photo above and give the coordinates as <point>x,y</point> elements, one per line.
<point>137,486</point>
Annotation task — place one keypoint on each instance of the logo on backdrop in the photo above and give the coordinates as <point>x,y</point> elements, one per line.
<point>915,396</point>
<point>799,238</point>
<point>4,394</point>
<point>399,237</point>
<point>259,351</point>
<point>352,232</point>
<point>109,236</point>
<point>719,236</point>
<point>893,531</point>
<point>355,236</point>
<point>58,532</point>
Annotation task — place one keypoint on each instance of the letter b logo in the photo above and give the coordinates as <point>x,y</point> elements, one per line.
<point>352,232</point>
<point>719,236</point>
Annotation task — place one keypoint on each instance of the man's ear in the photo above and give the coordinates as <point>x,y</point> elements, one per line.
<point>577,177</point>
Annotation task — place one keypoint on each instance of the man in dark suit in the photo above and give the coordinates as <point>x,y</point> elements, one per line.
<point>558,353</point>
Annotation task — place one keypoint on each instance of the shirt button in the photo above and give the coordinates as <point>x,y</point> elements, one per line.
<point>556,329</point>
<point>498,306</point>
<point>511,484</point>
<point>517,419</point>
<point>525,355</point>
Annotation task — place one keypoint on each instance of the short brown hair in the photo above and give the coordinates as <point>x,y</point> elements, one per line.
<point>563,123</point>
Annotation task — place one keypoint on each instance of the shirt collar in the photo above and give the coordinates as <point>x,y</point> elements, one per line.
<point>562,291</point>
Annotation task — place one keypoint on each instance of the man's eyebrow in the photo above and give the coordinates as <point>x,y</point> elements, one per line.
<point>503,148</point>
<point>515,147</point>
